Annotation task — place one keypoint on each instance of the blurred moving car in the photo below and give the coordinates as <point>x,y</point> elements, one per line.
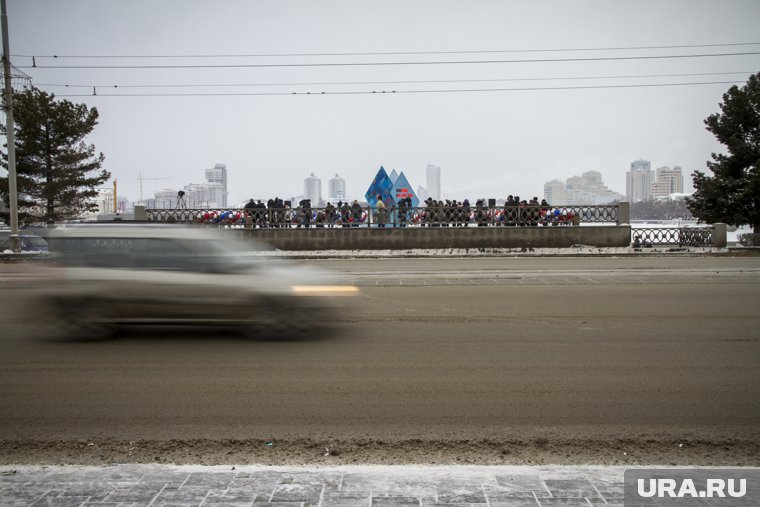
<point>115,275</point>
<point>28,243</point>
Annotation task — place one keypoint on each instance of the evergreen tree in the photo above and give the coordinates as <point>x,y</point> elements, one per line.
<point>732,194</point>
<point>57,171</point>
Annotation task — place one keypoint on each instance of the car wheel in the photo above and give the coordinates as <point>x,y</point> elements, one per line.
<point>87,321</point>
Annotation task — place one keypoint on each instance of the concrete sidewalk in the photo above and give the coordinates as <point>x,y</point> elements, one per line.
<point>386,486</point>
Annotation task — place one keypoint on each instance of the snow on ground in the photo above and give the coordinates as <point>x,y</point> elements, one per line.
<point>491,252</point>
<point>733,236</point>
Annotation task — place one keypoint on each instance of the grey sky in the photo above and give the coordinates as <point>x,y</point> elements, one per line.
<point>488,143</point>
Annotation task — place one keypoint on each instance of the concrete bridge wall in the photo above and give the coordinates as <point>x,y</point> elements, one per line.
<point>439,237</point>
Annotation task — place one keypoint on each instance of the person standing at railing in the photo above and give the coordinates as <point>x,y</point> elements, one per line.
<point>273,213</point>
<point>457,216</point>
<point>304,212</point>
<point>480,213</point>
<point>330,215</point>
<point>345,215</point>
<point>544,213</point>
<point>509,214</point>
<point>381,215</point>
<point>276,212</point>
<point>466,211</point>
<point>427,215</point>
<point>356,214</point>
<point>448,212</point>
<point>401,213</point>
<point>533,211</point>
<point>248,214</point>
<point>523,213</point>
<point>259,213</point>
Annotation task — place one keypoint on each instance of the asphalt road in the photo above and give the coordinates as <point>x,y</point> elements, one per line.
<point>491,359</point>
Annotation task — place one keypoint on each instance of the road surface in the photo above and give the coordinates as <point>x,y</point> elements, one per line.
<point>491,360</point>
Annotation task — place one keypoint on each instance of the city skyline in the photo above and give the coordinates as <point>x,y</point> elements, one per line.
<point>588,188</point>
<point>210,194</point>
<point>660,182</point>
<point>503,96</point>
<point>585,189</point>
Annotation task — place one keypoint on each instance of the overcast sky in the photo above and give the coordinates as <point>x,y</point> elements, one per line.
<point>487,143</point>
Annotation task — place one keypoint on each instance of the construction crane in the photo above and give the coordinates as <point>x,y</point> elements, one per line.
<point>140,179</point>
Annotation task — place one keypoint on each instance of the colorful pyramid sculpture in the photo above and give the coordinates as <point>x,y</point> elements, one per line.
<point>402,189</point>
<point>381,188</point>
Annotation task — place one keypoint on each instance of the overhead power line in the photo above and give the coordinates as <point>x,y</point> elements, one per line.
<point>415,81</point>
<point>390,92</point>
<point>396,53</point>
<point>376,64</point>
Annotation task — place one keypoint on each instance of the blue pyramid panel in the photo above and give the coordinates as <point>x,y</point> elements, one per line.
<point>380,188</point>
<point>402,189</point>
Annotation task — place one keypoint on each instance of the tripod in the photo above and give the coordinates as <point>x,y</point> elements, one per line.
<point>181,202</point>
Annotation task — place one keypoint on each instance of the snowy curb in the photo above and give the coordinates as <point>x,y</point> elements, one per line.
<point>576,251</point>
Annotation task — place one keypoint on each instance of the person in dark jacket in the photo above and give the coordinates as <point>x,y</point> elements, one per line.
<point>356,214</point>
<point>401,213</point>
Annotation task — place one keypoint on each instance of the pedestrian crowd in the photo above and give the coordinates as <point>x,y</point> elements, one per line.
<point>276,213</point>
<point>514,212</point>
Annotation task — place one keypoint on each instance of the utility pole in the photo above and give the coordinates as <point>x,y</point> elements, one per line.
<point>9,130</point>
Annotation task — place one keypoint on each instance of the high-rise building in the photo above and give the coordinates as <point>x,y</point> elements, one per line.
<point>667,181</point>
<point>592,178</point>
<point>586,189</point>
<point>167,199</point>
<point>336,188</point>
<point>218,174</point>
<point>104,203</point>
<point>312,189</point>
<point>205,195</point>
<point>211,195</point>
<point>555,192</point>
<point>638,181</point>
<point>433,181</point>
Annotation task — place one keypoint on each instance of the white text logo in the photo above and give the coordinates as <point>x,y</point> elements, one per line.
<point>714,488</point>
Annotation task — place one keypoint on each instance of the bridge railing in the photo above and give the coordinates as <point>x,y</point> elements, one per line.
<point>680,236</point>
<point>474,216</point>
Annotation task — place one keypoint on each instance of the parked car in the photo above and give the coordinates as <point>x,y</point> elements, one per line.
<point>115,275</point>
<point>28,243</point>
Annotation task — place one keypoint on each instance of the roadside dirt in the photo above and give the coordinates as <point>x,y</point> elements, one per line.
<point>539,451</point>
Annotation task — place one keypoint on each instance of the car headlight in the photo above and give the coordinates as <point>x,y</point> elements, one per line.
<point>324,290</point>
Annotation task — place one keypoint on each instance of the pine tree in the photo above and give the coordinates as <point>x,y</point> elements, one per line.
<point>732,194</point>
<point>57,171</point>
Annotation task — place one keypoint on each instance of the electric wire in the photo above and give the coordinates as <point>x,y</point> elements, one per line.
<point>397,53</point>
<point>399,92</point>
<point>399,63</point>
<point>415,81</point>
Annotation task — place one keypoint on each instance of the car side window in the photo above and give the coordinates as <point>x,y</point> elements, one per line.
<point>166,254</point>
<point>95,252</point>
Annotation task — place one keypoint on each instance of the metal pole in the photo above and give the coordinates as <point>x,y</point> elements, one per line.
<point>9,129</point>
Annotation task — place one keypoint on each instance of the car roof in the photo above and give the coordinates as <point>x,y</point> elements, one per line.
<point>164,231</point>
<point>7,236</point>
